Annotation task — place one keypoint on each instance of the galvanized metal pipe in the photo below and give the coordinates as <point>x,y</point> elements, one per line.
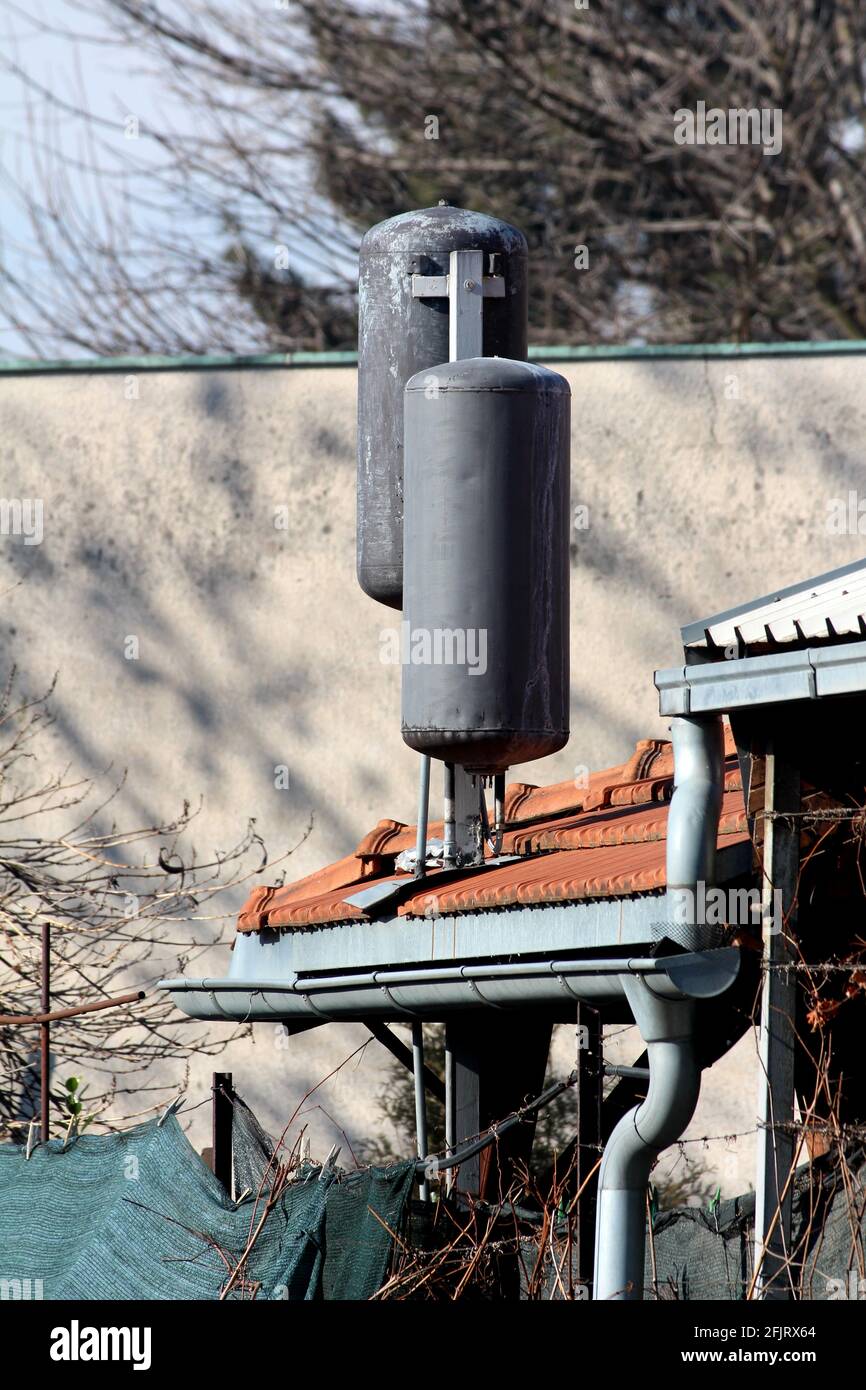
<point>499,810</point>
<point>632,1073</point>
<point>423,812</point>
<point>692,829</point>
<point>638,965</point>
<point>449,852</point>
<point>302,984</point>
<point>420,1101</point>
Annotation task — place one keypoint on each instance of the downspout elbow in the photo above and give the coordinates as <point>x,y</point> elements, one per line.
<point>667,1026</point>
<point>659,1121</point>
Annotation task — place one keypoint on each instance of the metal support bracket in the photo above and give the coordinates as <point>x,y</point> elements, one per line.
<point>439,286</point>
<point>465,287</point>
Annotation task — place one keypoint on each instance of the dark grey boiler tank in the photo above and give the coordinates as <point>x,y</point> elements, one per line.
<point>399,334</point>
<point>485,676</point>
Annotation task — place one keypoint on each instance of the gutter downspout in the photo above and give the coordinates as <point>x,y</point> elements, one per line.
<point>667,1025</point>
<point>693,827</point>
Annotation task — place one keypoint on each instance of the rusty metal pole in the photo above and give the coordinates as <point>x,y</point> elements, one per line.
<point>45,1030</point>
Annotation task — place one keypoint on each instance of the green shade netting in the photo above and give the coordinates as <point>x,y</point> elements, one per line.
<point>138,1215</point>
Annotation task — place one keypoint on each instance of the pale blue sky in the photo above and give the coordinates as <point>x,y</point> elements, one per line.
<point>68,50</point>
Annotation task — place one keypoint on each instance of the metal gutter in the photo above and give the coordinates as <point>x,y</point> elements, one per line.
<point>717,686</point>
<point>430,992</point>
<point>269,360</point>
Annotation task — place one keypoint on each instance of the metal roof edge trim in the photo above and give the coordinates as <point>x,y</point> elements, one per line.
<point>23,366</point>
<point>777,678</point>
<point>695,632</point>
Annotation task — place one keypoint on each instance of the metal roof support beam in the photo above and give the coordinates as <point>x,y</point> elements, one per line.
<point>496,1065</point>
<point>403,1054</point>
<point>463,1082</point>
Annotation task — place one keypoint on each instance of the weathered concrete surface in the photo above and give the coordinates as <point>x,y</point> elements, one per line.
<point>707,481</point>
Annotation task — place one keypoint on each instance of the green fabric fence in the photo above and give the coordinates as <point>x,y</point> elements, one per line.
<point>138,1215</point>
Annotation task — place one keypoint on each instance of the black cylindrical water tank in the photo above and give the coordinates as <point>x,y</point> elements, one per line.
<point>400,334</point>
<point>486,567</point>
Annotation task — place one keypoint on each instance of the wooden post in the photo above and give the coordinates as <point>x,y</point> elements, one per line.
<point>776,1141</point>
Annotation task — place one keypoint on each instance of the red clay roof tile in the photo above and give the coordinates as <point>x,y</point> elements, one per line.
<point>602,839</point>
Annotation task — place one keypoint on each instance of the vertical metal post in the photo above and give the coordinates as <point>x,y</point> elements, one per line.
<point>420,1100</point>
<point>467,815</point>
<point>465,339</point>
<point>463,1036</point>
<point>466,304</point>
<point>588,1093</point>
<point>223,1115</point>
<point>450,1109</point>
<point>499,810</point>
<point>45,1034</point>
<point>776,1145</point>
<point>449,852</point>
<point>423,811</point>
<point>496,1066</point>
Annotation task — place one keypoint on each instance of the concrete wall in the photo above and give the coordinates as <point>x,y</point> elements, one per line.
<point>707,479</point>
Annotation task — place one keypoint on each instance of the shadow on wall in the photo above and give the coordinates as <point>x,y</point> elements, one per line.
<point>195,584</point>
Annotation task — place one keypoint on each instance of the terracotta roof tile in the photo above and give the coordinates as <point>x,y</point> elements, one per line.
<point>602,839</point>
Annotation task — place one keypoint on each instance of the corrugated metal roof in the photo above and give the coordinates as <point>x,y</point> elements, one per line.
<point>606,839</point>
<point>829,606</point>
